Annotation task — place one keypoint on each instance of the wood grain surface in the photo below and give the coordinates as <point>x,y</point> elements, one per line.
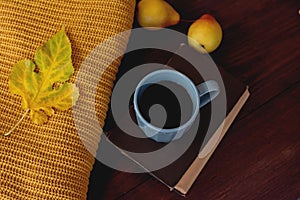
<point>259,158</point>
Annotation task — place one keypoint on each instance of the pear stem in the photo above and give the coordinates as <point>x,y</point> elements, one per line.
<point>16,125</point>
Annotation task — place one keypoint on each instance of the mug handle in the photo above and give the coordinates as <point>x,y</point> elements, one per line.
<point>207,92</point>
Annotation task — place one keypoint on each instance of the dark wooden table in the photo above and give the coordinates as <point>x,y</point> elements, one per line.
<point>259,158</point>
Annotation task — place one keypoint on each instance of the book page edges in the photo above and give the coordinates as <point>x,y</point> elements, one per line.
<point>196,167</point>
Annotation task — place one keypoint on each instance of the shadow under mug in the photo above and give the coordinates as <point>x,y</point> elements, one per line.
<point>200,95</point>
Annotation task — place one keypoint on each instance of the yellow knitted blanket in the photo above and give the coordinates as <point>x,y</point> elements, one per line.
<point>49,161</point>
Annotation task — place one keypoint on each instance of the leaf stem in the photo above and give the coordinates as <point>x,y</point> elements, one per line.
<point>16,125</point>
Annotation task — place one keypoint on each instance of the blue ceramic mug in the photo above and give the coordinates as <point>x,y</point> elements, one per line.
<point>200,95</point>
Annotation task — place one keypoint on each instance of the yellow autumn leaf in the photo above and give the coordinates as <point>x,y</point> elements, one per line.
<point>42,83</point>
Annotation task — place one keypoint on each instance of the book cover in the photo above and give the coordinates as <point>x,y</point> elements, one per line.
<point>181,173</point>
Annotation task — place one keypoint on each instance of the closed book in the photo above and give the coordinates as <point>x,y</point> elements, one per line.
<point>180,174</point>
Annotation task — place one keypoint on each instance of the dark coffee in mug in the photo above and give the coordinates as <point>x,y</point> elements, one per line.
<point>172,97</point>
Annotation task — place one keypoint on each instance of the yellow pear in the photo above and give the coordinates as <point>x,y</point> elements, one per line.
<point>156,14</point>
<point>205,34</point>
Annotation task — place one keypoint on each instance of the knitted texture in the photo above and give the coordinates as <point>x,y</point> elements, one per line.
<point>50,161</point>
